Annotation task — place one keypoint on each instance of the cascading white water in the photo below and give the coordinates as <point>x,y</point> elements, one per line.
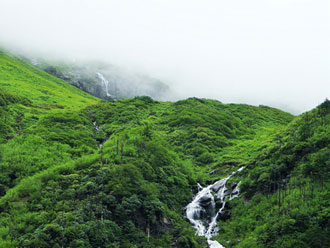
<point>105,83</point>
<point>235,192</point>
<point>96,130</point>
<point>201,212</point>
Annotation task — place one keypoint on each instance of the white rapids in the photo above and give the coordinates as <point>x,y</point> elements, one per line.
<point>202,213</point>
<point>105,83</point>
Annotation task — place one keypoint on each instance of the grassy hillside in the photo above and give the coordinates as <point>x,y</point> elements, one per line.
<point>79,172</point>
<point>286,199</point>
<point>39,115</point>
<point>25,80</point>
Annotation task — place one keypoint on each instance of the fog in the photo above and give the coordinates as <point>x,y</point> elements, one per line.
<point>270,52</point>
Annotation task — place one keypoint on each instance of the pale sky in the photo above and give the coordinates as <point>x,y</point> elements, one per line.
<point>270,52</point>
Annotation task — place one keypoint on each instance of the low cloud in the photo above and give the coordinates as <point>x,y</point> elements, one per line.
<point>271,52</point>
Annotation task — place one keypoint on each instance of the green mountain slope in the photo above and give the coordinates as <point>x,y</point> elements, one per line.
<point>286,189</point>
<point>39,115</point>
<point>25,80</point>
<point>118,174</point>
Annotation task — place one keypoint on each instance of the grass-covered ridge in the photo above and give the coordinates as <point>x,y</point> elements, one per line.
<point>80,172</point>
<point>141,177</point>
<point>25,80</point>
<point>286,189</point>
<point>39,114</point>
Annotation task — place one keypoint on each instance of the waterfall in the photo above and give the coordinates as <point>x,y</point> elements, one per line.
<point>105,83</point>
<point>96,130</point>
<point>202,213</point>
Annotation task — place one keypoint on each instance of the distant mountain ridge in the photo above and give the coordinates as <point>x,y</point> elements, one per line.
<point>104,80</point>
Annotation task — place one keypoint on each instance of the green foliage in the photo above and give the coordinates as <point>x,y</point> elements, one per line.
<point>26,81</point>
<point>286,189</point>
<point>7,98</point>
<point>132,189</point>
<point>78,172</point>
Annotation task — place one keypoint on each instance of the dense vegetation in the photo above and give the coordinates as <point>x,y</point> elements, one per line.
<point>286,189</point>
<point>80,172</point>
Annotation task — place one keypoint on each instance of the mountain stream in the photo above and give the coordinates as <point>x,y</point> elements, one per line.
<point>207,206</point>
<point>105,83</point>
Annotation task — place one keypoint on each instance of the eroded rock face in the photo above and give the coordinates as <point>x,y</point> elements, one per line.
<point>205,201</point>
<point>224,215</point>
<point>107,81</point>
<point>233,185</point>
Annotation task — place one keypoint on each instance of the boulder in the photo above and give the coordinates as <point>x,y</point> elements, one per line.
<point>205,201</point>
<point>224,215</point>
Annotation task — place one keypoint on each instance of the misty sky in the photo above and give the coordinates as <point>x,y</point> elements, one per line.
<point>271,52</point>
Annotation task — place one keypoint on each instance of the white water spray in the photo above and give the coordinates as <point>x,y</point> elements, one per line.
<point>105,83</point>
<point>201,212</point>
